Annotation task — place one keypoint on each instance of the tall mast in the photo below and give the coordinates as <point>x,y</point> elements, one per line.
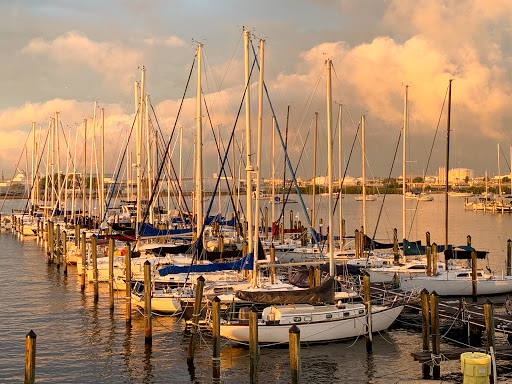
<point>85,170</point>
<point>148,154</point>
<point>34,154</point>
<point>363,143</point>
<point>57,156</point>
<point>93,156</point>
<point>313,200</point>
<point>499,172</point>
<point>181,168</point>
<point>199,148</point>
<point>74,179</point>
<point>273,204</point>
<point>53,150</point>
<point>139,149</point>
<point>404,163</point>
<point>102,165</point>
<point>341,178</point>
<point>329,167</point>
<point>447,165</point>
<point>248,142</point>
<point>258,168</point>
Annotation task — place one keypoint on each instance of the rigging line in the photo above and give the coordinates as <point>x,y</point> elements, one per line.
<point>296,168</point>
<point>284,164</point>
<point>220,158</point>
<point>387,184</point>
<point>172,164</point>
<point>155,187</point>
<point>430,155</point>
<point>226,154</point>
<point>16,167</point>
<point>346,169</point>
<point>503,153</point>
<point>287,158</point>
<point>66,141</point>
<point>34,177</point>
<point>113,185</point>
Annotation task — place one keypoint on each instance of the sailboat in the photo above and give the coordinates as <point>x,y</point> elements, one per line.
<point>317,322</point>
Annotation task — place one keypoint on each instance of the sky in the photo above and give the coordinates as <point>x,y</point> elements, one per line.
<point>65,55</point>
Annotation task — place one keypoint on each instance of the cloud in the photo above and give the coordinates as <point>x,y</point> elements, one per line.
<point>114,61</point>
<point>169,41</point>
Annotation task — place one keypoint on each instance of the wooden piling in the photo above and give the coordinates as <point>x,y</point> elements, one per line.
<point>64,252</point>
<point>195,319</point>
<point>58,252</point>
<point>356,244</point>
<point>216,340</point>
<point>272,251</point>
<point>77,234</point>
<point>429,260</point>
<point>318,277</point>
<point>253,345</point>
<point>94,252</point>
<point>427,235</point>
<point>281,232</point>
<point>30,358</point>
<point>425,329</point>
<point>396,255</point>
<point>128,280</point>
<point>368,308</point>
<point>509,257</point>
<point>434,259</point>
<point>291,218</point>
<point>311,276</point>
<point>265,220</point>
<point>468,240</point>
<point>111,247</point>
<point>489,328</point>
<point>294,345</point>
<point>436,347</point>
<point>51,243</point>
<point>84,262</point>
<point>473,276</point>
<point>148,329</point>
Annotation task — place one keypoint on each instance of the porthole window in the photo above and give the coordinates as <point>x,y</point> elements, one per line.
<point>297,319</point>
<point>328,316</point>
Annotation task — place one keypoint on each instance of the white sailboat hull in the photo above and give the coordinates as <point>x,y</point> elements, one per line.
<point>317,331</point>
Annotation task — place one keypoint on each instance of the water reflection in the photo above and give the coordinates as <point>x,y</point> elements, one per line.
<point>148,366</point>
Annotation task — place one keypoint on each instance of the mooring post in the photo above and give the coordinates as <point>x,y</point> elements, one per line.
<point>254,348</point>
<point>111,246</point>
<point>148,328</point>
<point>128,280</point>
<point>509,257</point>
<point>272,251</point>
<point>368,307</point>
<point>489,327</point>
<point>77,234</point>
<point>51,244</point>
<point>436,348</point>
<point>318,277</point>
<point>473,275</point>
<point>396,255</point>
<point>434,259</point>
<point>30,358</point>
<point>84,262</point>
<point>94,251</point>
<point>429,260</point>
<point>468,240</point>
<point>295,363</point>
<point>266,223</point>
<point>64,252</point>
<point>311,276</point>
<point>427,235</point>
<point>58,253</point>
<point>216,340</point>
<point>291,218</point>
<point>195,319</point>
<point>425,329</point>
<point>356,244</point>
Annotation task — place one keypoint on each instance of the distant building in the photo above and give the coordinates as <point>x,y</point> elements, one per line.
<point>459,175</point>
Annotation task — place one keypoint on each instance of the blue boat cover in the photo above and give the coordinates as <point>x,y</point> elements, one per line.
<point>149,231</point>
<point>245,263</point>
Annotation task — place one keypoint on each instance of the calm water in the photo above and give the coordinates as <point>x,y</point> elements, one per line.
<point>79,341</point>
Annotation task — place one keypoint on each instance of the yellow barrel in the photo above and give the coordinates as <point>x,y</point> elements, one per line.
<point>475,367</point>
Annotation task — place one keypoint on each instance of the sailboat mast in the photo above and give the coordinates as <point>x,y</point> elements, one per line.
<point>340,174</point>
<point>199,148</point>
<point>148,155</point>
<point>329,167</point>
<point>140,106</point>
<point>102,165</point>
<point>57,156</point>
<point>447,164</point>
<point>85,171</point>
<point>404,164</point>
<point>248,142</point>
<point>313,202</point>
<point>258,167</point>
<point>364,172</point>
<point>499,172</point>
<point>34,154</point>
<point>274,168</point>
